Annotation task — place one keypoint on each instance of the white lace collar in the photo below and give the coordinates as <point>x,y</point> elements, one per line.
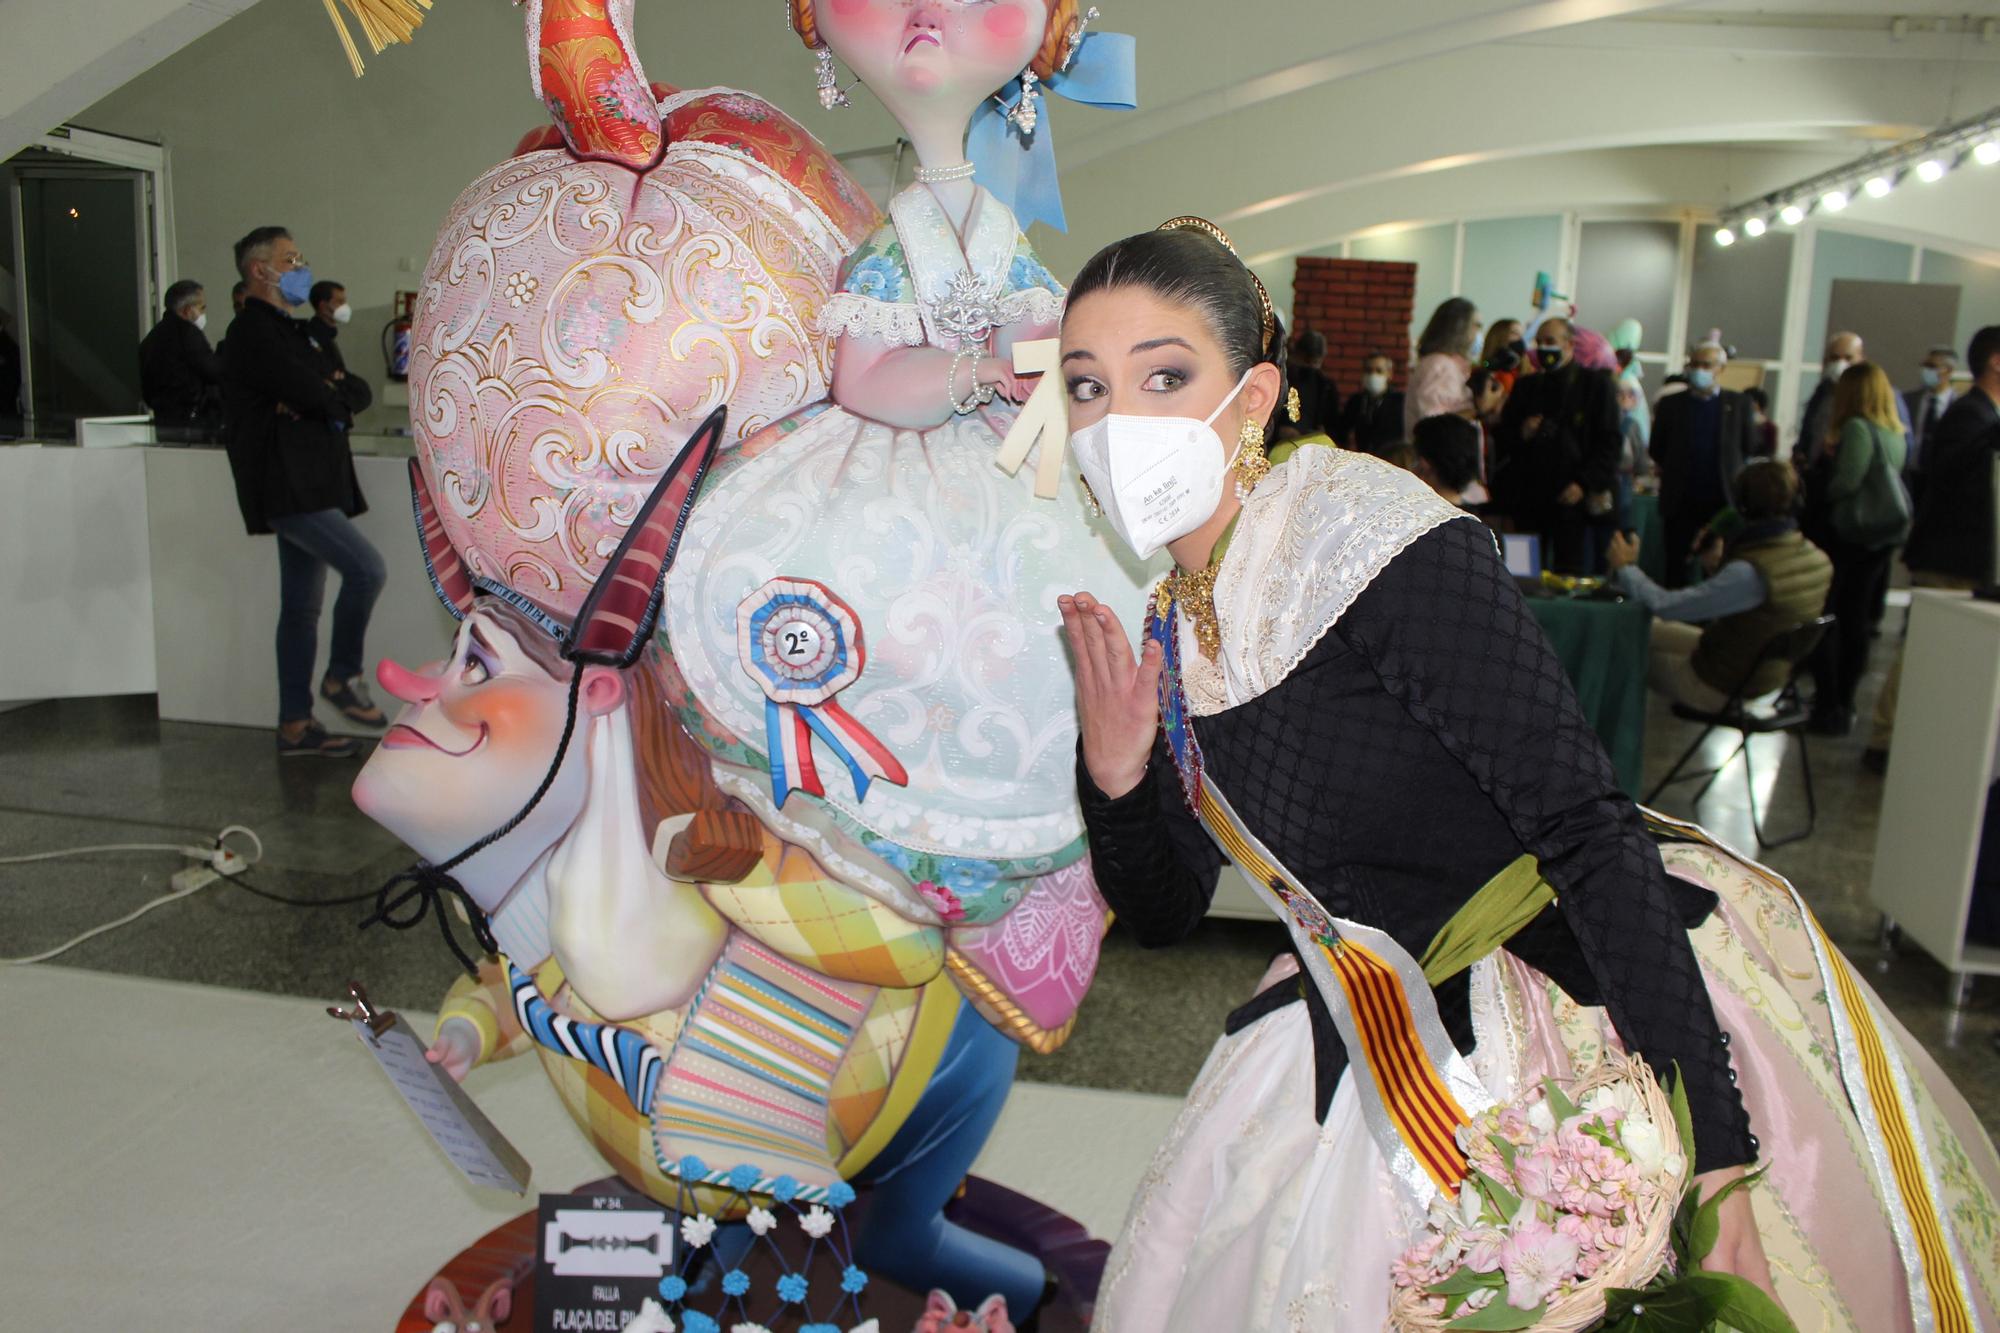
<point>958,287</point>
<point>1311,538</point>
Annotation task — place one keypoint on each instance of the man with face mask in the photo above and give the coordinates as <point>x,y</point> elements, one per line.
<point>1559,443</point>
<point>180,376</point>
<point>330,313</point>
<point>1373,418</point>
<point>1926,404</point>
<point>1701,440</point>
<point>288,422</point>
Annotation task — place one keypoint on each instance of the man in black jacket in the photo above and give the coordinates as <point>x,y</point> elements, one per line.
<point>288,423</point>
<point>1373,419</point>
<point>1701,440</point>
<point>180,376</point>
<point>330,313</point>
<point>1952,538</point>
<point>1559,443</point>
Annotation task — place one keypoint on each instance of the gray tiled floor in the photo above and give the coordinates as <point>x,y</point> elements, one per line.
<point>108,771</point>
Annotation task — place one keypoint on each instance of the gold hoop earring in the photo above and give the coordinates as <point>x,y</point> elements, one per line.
<point>1252,464</point>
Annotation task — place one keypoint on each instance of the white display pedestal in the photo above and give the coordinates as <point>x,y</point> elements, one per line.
<point>215,592</point>
<point>1947,717</point>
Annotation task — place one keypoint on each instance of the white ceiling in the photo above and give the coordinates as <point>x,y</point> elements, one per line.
<point>1295,122</point>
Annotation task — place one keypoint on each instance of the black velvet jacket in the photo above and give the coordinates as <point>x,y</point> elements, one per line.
<point>1429,739</point>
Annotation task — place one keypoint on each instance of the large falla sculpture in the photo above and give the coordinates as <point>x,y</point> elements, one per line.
<point>750,757</point>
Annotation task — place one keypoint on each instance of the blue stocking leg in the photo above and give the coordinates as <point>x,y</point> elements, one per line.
<point>906,1237</point>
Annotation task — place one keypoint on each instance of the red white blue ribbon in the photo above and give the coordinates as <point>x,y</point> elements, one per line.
<point>802,644</point>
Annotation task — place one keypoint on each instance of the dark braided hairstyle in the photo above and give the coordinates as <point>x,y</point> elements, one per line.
<point>1190,263</point>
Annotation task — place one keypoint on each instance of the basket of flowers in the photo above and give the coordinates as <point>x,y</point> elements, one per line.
<point>1576,1214</point>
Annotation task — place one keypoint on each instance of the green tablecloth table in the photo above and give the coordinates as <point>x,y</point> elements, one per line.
<point>1603,646</point>
<point>1652,537</point>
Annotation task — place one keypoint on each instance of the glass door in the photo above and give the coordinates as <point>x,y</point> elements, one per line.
<point>82,252</point>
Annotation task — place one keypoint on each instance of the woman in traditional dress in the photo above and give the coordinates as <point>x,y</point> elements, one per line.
<point>1342,677</point>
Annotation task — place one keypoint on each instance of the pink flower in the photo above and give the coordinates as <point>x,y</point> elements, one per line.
<point>1536,1259</point>
<point>1537,1173</point>
<point>1483,1246</point>
<point>1515,1127</point>
<point>943,900</point>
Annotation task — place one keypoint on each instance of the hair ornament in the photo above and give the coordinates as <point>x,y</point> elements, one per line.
<point>1189,222</point>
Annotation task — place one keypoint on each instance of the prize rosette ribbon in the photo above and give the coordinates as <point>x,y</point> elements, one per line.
<point>802,644</point>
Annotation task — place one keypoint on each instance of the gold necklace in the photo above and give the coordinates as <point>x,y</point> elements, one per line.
<point>1195,592</point>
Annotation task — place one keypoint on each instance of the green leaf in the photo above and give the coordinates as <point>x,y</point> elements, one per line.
<point>1741,1304</point>
<point>1683,1117</point>
<point>1706,1225</point>
<point>1675,1308</point>
<point>1559,1103</point>
<point>1465,1280</point>
<point>1504,1148</point>
<point>1603,1136</point>
<point>1504,1202</point>
<point>1500,1316</point>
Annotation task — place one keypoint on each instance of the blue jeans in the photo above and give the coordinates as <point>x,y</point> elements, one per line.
<point>307,545</point>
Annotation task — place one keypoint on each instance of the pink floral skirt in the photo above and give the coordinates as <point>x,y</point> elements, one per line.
<point>1254,1217</point>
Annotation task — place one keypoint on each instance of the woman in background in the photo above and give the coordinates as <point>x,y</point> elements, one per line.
<point>1864,424</point>
<point>1444,361</point>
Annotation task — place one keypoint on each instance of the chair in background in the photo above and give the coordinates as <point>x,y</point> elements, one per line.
<point>1788,713</point>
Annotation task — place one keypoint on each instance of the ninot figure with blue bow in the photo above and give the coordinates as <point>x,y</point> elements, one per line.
<point>750,760</point>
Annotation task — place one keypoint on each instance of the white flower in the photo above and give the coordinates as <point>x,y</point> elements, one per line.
<point>1479,1299</point>
<point>743,1328</point>
<point>1641,1139</point>
<point>1622,1097</point>
<point>1673,1164</point>
<point>1541,1119</point>
<point>698,1231</point>
<point>760,1220</point>
<point>1469,1204</point>
<point>817,1222</point>
<point>650,1319</point>
<point>872,1326</point>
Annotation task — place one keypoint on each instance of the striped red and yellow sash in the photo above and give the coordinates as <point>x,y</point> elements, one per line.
<point>1417,1087</point>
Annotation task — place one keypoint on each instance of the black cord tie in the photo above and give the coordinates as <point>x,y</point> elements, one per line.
<point>424,889</point>
<point>428,885</point>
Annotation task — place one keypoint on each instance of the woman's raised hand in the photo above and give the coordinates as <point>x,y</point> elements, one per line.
<point>1117,695</point>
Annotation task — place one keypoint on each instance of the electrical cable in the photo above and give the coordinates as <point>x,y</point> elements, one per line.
<point>109,926</point>
<point>222,862</point>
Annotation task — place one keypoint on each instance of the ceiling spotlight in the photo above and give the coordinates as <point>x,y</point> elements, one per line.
<point>1833,200</point>
<point>1725,237</point>
<point>1878,186</point>
<point>1930,170</point>
<point>1791,215</point>
<point>1987,153</point>
<point>1753,227</point>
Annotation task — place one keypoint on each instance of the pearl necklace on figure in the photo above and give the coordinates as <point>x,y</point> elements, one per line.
<point>942,175</point>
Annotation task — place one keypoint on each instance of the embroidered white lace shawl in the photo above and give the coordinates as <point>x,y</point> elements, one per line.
<point>1312,537</point>
<point>940,271</point>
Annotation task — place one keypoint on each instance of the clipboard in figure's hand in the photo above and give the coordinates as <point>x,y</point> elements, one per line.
<point>461,1129</point>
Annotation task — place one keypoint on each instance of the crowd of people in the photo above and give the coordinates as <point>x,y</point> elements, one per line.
<point>1545,428</point>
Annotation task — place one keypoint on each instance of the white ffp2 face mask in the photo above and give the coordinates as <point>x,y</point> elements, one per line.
<point>201,320</point>
<point>1157,478</point>
<point>342,314</point>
